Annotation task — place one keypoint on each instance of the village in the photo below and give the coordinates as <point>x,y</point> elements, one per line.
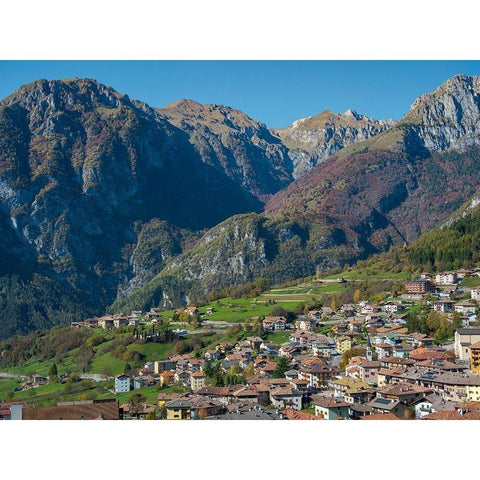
<point>360,361</point>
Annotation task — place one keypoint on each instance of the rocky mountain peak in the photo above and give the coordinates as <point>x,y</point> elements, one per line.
<point>311,140</point>
<point>65,94</point>
<point>48,104</point>
<point>235,143</point>
<point>184,105</point>
<point>449,116</point>
<point>211,114</point>
<point>353,114</point>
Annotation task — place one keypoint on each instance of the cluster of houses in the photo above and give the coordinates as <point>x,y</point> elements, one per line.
<point>393,373</point>
<point>445,287</point>
<point>399,375</point>
<point>135,319</point>
<point>179,369</point>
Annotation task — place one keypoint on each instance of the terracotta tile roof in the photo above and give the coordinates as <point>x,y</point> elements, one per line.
<point>398,360</point>
<point>251,391</point>
<point>274,381</point>
<point>285,391</point>
<point>233,356</point>
<point>390,371</point>
<point>355,360</point>
<point>329,402</point>
<point>370,364</point>
<point>380,416</point>
<point>219,391</point>
<point>452,415</point>
<point>292,414</point>
<point>144,408</point>
<point>169,396</point>
<point>90,411</point>
<point>426,354</point>
<point>403,388</point>
<point>197,361</point>
<point>468,406</point>
<point>270,367</point>
<point>274,319</point>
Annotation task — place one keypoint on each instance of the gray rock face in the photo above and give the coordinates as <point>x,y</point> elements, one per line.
<point>311,140</point>
<point>234,143</point>
<point>234,249</point>
<point>99,191</point>
<point>449,116</point>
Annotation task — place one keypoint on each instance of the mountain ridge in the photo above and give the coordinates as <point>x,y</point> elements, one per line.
<point>122,203</point>
<point>335,218</point>
<point>313,139</point>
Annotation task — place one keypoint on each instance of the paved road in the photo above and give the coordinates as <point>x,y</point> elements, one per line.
<point>98,377</point>
<point>11,375</point>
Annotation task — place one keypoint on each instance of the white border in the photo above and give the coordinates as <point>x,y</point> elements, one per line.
<point>247,29</point>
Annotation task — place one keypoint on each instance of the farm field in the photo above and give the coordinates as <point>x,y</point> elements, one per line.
<point>233,310</point>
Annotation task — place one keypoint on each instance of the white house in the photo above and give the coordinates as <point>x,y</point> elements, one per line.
<point>274,324</point>
<point>444,306</point>
<point>392,307</point>
<point>446,278</point>
<point>197,381</point>
<point>465,308</point>
<point>475,293</point>
<point>122,383</point>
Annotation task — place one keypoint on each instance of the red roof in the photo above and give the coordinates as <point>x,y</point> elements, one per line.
<point>292,414</point>
<point>380,416</point>
<point>427,354</point>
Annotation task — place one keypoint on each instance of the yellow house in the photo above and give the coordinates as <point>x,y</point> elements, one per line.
<point>475,358</point>
<point>343,344</point>
<point>473,393</point>
<point>179,409</point>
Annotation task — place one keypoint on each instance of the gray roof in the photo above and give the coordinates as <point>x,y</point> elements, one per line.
<point>242,414</point>
<point>469,331</point>
<point>438,403</point>
<point>360,407</point>
<point>179,404</point>
<point>383,403</point>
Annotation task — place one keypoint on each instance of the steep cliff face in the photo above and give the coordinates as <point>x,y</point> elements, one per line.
<point>449,116</point>
<point>311,140</point>
<point>98,191</point>
<point>240,249</point>
<point>232,142</point>
<point>384,191</point>
<point>446,119</point>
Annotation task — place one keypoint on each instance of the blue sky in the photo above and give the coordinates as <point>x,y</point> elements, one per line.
<point>274,92</point>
